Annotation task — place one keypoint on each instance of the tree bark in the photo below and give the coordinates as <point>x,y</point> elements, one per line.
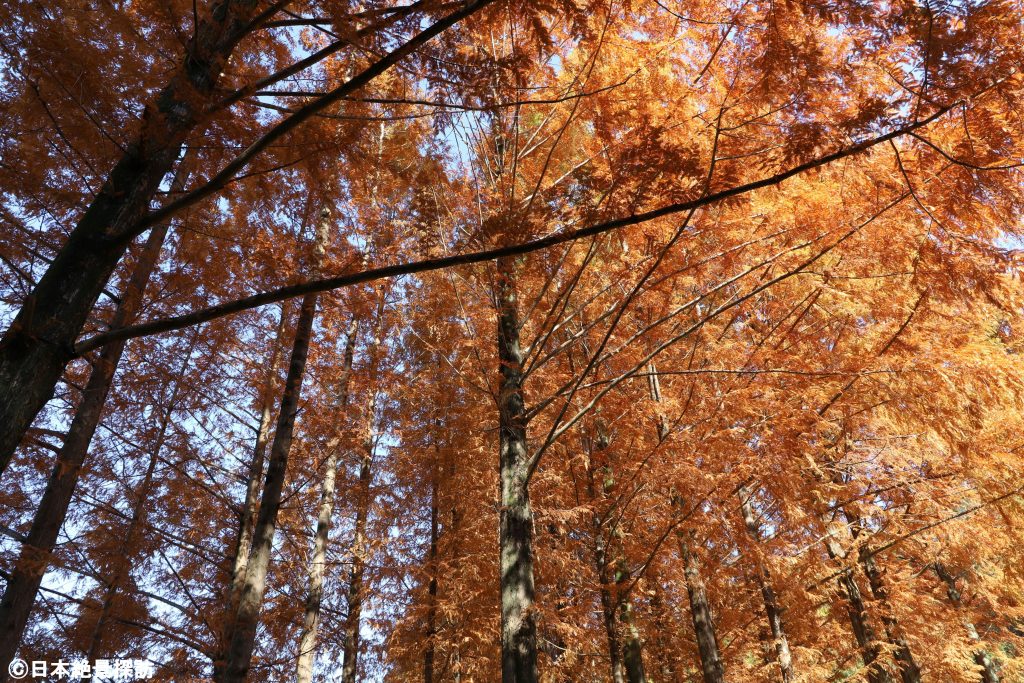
<point>712,667</point>
<point>37,346</point>
<point>624,647</point>
<point>122,566</point>
<point>660,645</point>
<point>34,557</point>
<point>863,631</point>
<point>355,597</point>
<point>771,606</point>
<point>318,558</point>
<point>360,548</point>
<point>432,569</point>
<point>242,632</point>
<point>700,610</point>
<point>989,673</point>
<point>250,506</point>
<point>515,537</point>
<point>910,672</point>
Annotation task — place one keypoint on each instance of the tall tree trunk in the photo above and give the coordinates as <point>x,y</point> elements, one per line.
<point>250,506</point>
<point>360,550</point>
<point>661,646</point>
<point>910,672</point>
<point>700,611</point>
<point>241,638</point>
<point>122,566</point>
<point>34,558</point>
<point>432,569</point>
<point>318,558</point>
<point>771,606</point>
<point>37,346</point>
<point>624,647</point>
<point>711,664</point>
<point>989,674</point>
<point>515,537</point>
<point>863,631</point>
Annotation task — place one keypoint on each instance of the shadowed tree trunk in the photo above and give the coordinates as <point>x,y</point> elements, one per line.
<point>355,596</point>
<point>624,648</point>
<point>989,674</point>
<point>863,631</point>
<point>318,558</point>
<point>711,664</point>
<point>23,585</point>
<point>38,345</point>
<point>910,672</point>
<point>122,566</point>
<point>247,518</point>
<point>771,606</point>
<point>432,570</point>
<point>660,645</point>
<point>241,636</point>
<point>515,538</point>
<point>700,610</point>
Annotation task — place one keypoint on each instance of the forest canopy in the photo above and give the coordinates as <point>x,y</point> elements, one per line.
<point>651,341</point>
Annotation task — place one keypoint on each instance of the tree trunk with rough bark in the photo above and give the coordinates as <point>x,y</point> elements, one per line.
<point>38,345</point>
<point>250,506</point>
<point>354,596</point>
<point>515,537</point>
<point>318,558</point>
<point>863,631</point>
<point>700,611</point>
<point>360,547</point>
<point>711,663</point>
<point>432,570</point>
<point>34,557</point>
<point>910,672</point>
<point>241,636</point>
<point>783,656</point>
<point>624,647</point>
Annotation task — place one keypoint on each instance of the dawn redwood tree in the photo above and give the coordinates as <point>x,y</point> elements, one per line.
<point>763,258</point>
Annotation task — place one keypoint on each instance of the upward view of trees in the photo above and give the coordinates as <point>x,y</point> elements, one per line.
<point>471,341</point>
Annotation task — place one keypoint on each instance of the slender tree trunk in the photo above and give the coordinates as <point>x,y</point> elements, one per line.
<point>607,600</point>
<point>700,610</point>
<point>242,633</point>
<point>989,674</point>
<point>712,667</point>
<point>250,506</point>
<point>318,558</point>
<point>37,346</point>
<point>34,558</point>
<point>910,672</point>
<point>661,647</point>
<point>355,597</point>
<point>771,606</point>
<point>863,631</point>
<point>432,569</point>
<point>624,647</point>
<point>515,537</point>
<point>122,566</point>
<point>360,548</point>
